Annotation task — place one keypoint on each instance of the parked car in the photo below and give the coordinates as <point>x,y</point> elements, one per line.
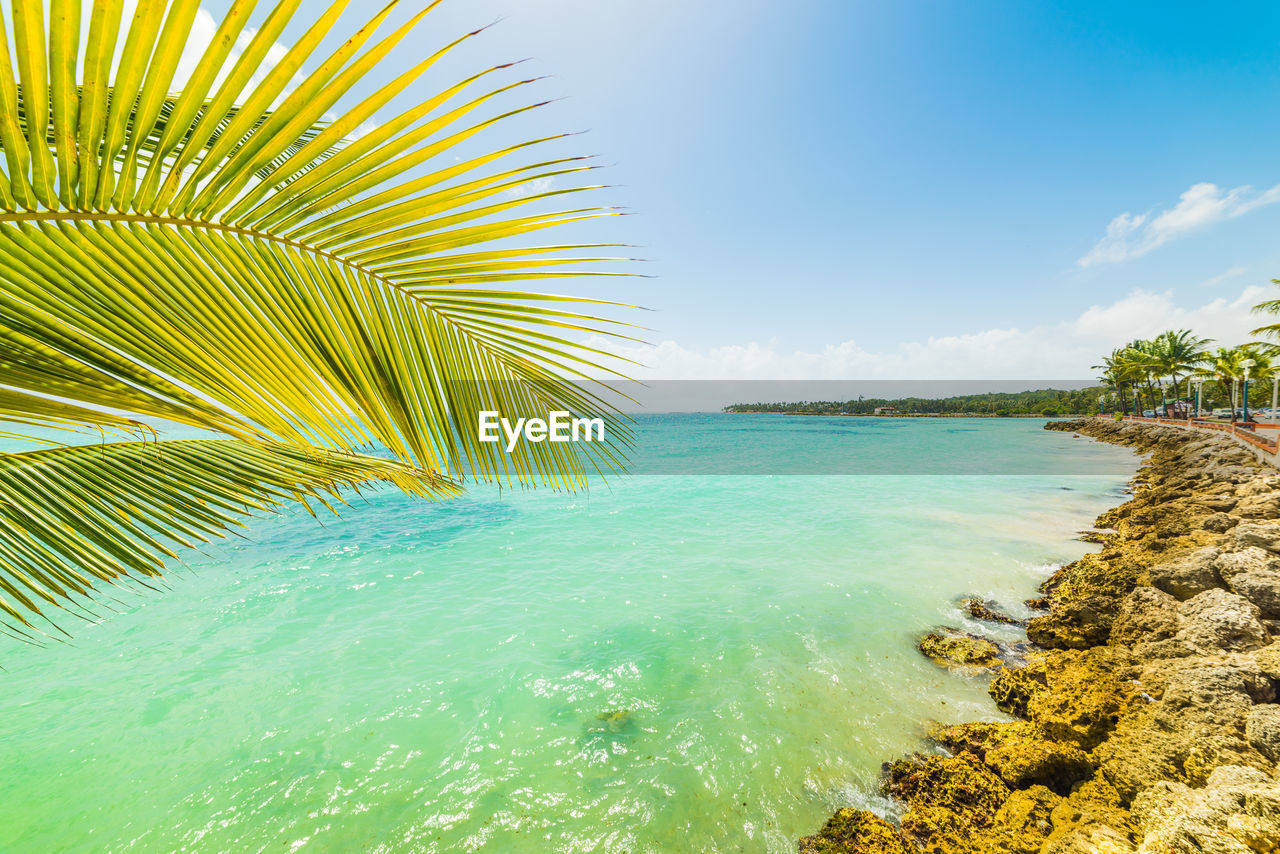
<point>1148,413</point>
<point>1222,413</point>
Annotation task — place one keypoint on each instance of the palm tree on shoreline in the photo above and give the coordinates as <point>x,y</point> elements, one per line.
<point>1179,352</point>
<point>1225,365</point>
<point>229,259</point>
<point>1125,366</point>
<point>1142,363</point>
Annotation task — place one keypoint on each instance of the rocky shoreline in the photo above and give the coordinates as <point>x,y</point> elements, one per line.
<point>1147,714</point>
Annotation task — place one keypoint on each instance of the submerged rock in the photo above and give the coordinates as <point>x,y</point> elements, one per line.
<point>959,651</point>
<point>616,720</point>
<point>987,611</point>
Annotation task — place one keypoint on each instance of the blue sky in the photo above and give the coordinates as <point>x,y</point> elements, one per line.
<point>908,189</point>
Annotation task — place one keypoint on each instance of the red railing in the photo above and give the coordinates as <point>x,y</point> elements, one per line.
<point>1242,431</point>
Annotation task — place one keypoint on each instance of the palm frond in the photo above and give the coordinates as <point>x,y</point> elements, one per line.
<point>230,257</point>
<point>193,249</point>
<point>73,519</point>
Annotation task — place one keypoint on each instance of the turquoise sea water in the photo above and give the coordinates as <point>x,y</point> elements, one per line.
<point>677,663</point>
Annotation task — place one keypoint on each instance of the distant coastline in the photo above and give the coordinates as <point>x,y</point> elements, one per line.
<point>732,411</point>
<point>1032,403</point>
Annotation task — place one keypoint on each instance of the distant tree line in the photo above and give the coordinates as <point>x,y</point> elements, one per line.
<point>1048,402</point>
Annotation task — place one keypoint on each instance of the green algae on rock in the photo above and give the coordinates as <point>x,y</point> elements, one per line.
<point>959,651</point>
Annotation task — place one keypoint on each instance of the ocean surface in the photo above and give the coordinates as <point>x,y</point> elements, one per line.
<point>669,662</point>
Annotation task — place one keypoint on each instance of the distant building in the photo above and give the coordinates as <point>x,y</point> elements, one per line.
<point>885,410</point>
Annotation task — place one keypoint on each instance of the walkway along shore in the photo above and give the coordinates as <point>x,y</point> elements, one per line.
<point>1146,715</point>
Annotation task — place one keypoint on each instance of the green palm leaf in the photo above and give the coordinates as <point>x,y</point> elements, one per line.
<point>72,518</point>
<point>225,257</point>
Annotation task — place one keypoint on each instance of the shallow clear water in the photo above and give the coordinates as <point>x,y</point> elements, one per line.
<point>671,663</point>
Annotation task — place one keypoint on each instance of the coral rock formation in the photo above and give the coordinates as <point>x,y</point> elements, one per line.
<point>1149,721</point>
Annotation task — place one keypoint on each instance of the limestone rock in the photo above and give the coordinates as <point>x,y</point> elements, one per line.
<point>1262,588</point>
<point>1267,660</point>
<point>1083,695</point>
<point>950,798</point>
<point>1146,615</point>
<point>1265,506</point>
<point>1196,725</point>
<point>1012,689</point>
<point>1218,620</point>
<point>1020,753</point>
<point>1237,812</point>
<point>1187,575</point>
<point>1262,729</point>
<point>1231,564</point>
<point>1024,821</point>
<point>1219,523</point>
<point>852,831</point>
<point>1090,821</point>
<point>1074,624</point>
<point>1264,535</point>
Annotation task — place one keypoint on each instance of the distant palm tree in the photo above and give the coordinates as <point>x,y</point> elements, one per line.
<point>229,258</point>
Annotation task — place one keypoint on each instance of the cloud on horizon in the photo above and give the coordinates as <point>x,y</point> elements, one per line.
<point>1065,350</point>
<point>1134,235</point>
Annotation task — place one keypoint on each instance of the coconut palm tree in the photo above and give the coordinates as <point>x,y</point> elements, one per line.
<point>1177,353</point>
<point>226,257</point>
<point>1272,307</point>
<point>1125,366</point>
<point>1140,364</point>
<point>1226,366</point>
<point>1109,375</point>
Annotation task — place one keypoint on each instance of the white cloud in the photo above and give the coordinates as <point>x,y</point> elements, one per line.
<point>1064,350</point>
<point>1225,275</point>
<point>1134,235</point>
<point>535,187</point>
